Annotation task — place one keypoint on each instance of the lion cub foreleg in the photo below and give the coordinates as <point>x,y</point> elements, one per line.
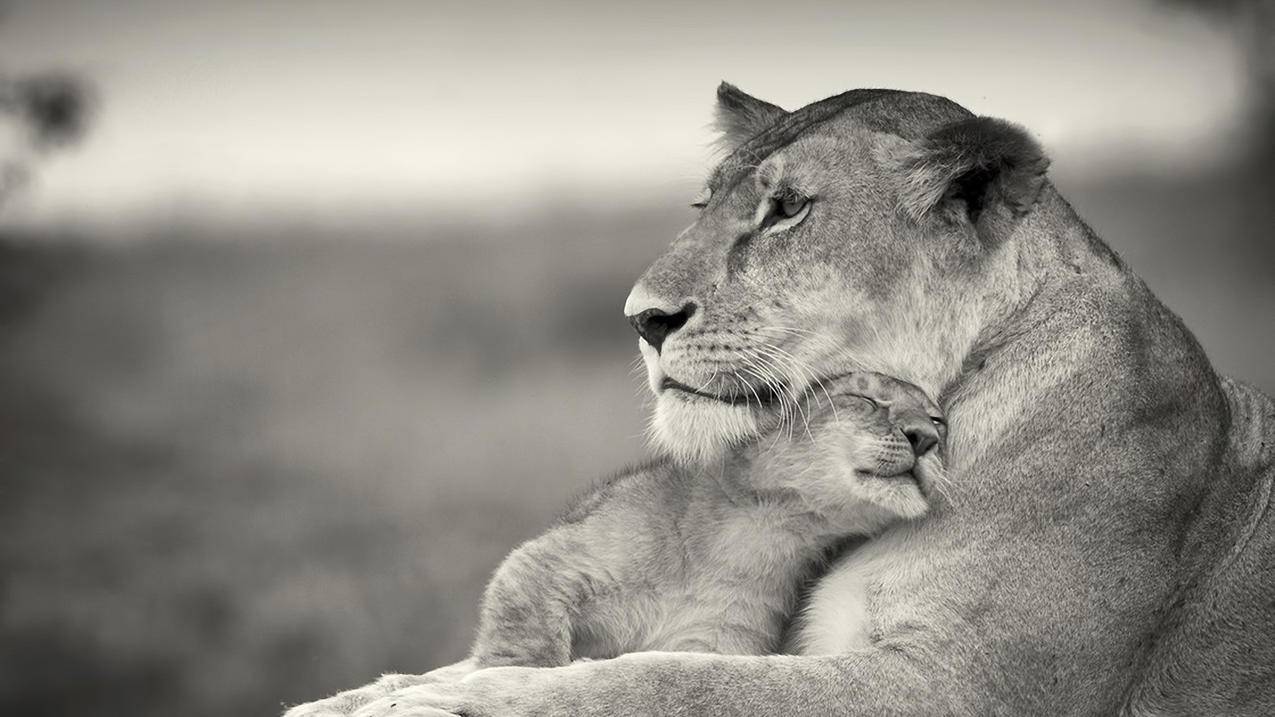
<point>529,605</point>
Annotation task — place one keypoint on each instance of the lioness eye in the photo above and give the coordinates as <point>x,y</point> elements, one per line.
<point>790,203</point>
<point>782,210</point>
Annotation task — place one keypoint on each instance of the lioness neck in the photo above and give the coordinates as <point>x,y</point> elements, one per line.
<point>1083,330</point>
<point>1008,347</point>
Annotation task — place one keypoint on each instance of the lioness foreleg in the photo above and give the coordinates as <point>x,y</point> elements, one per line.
<point>869,682</point>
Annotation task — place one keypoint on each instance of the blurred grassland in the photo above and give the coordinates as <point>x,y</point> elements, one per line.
<point>250,471</point>
<point>246,472</point>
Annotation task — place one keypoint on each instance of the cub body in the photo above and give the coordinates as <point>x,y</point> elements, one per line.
<point>712,559</point>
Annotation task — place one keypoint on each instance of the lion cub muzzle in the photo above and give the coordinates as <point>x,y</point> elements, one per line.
<point>899,429</point>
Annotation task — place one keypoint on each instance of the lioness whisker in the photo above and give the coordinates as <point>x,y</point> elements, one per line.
<point>783,410</point>
<point>700,388</point>
<point>780,386</point>
<point>749,386</point>
<point>788,329</point>
<point>820,341</point>
<point>799,367</point>
<point>787,386</point>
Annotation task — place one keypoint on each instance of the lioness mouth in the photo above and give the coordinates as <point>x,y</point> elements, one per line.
<point>760,395</point>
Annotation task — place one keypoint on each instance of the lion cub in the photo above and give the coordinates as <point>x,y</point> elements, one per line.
<point>665,558</point>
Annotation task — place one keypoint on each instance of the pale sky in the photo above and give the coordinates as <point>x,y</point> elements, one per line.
<point>313,104</point>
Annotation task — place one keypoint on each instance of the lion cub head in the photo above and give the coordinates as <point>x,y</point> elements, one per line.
<point>866,453</point>
<point>875,230</point>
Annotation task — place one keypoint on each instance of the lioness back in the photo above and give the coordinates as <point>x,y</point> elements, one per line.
<point>1216,653</point>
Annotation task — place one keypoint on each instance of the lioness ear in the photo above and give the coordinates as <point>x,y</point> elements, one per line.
<point>740,115</point>
<point>973,171</point>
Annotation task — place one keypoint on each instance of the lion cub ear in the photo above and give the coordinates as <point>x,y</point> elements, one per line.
<point>978,171</point>
<point>740,116</point>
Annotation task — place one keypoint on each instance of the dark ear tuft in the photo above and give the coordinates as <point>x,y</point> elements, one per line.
<point>966,169</point>
<point>740,116</point>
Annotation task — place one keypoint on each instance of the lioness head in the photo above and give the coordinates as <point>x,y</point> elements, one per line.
<point>873,230</point>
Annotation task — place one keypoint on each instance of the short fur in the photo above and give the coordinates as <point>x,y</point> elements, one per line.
<point>1107,542</point>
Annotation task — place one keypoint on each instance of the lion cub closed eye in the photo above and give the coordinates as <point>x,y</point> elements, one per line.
<point>711,559</point>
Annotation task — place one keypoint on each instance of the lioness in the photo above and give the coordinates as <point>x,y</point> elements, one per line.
<point>1107,545</point>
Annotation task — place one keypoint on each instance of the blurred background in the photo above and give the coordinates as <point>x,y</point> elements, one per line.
<point>309,312</point>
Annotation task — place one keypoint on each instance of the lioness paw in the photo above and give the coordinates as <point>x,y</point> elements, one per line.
<point>339,705</point>
<point>347,702</point>
<point>492,692</point>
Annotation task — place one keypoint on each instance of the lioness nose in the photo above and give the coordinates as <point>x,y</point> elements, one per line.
<point>655,325</point>
<point>921,433</point>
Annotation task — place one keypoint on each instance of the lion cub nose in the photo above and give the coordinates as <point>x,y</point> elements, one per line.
<point>921,433</point>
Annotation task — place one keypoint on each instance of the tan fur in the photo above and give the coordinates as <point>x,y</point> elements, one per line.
<point>1106,542</point>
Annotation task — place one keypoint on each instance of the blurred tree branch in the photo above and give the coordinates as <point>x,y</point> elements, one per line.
<point>47,111</point>
<point>1253,23</point>
<point>1252,178</point>
<point>55,106</point>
